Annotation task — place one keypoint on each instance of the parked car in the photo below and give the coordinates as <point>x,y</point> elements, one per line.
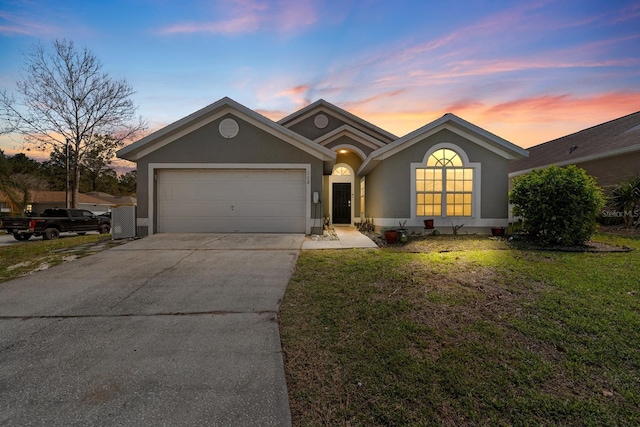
<point>52,222</point>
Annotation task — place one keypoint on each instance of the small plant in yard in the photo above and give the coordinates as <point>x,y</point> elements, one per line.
<point>625,197</point>
<point>455,228</point>
<point>559,206</point>
<point>366,225</point>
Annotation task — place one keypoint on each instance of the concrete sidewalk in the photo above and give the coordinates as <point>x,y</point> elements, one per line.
<point>349,238</point>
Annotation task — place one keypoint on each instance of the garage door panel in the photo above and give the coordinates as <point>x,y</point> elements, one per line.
<point>231,201</point>
<point>235,225</point>
<point>240,209</point>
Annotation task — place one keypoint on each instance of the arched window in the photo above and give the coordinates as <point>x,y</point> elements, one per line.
<point>341,171</point>
<point>444,185</point>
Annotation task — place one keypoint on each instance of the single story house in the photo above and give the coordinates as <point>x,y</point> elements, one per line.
<point>41,200</point>
<point>609,151</point>
<point>115,201</point>
<point>96,202</point>
<point>226,168</point>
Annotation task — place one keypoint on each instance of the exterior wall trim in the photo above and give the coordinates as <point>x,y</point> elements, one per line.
<point>212,112</point>
<point>322,106</point>
<point>346,130</point>
<point>356,150</point>
<point>154,167</point>
<point>445,222</point>
<point>450,122</point>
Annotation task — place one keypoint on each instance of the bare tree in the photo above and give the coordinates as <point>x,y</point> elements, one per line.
<point>65,101</point>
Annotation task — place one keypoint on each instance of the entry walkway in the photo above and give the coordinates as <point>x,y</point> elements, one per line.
<point>349,238</point>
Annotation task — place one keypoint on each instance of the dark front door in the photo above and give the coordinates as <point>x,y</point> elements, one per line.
<point>341,203</point>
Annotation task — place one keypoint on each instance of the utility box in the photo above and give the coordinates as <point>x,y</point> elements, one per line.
<point>123,222</point>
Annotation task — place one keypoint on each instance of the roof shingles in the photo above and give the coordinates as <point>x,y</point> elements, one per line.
<point>610,138</point>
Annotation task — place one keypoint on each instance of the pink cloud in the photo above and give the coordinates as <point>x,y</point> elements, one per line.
<point>243,24</point>
<point>17,25</point>
<point>249,16</point>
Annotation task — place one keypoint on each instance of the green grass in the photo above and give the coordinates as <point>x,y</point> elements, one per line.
<point>22,258</point>
<point>481,335</point>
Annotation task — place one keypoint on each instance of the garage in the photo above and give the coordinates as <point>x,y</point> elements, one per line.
<point>231,200</point>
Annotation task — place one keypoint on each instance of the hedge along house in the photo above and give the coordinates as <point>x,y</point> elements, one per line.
<point>227,168</point>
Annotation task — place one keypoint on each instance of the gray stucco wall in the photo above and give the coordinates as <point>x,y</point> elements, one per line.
<point>309,130</point>
<point>611,171</point>
<point>206,145</point>
<point>388,186</point>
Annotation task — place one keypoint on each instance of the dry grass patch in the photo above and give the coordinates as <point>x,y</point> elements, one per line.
<point>24,258</point>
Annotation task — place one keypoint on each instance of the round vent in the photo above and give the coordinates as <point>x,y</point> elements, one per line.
<point>321,121</point>
<point>229,128</point>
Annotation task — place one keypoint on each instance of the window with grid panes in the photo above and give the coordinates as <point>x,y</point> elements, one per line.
<point>444,186</point>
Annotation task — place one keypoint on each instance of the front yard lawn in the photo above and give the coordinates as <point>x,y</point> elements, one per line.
<point>483,334</point>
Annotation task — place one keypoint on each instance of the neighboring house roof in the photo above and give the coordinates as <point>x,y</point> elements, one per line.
<point>38,196</point>
<point>613,138</point>
<point>212,112</point>
<point>455,124</point>
<point>353,120</point>
<point>110,198</point>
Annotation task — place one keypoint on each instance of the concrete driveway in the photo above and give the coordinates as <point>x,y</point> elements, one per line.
<point>172,329</point>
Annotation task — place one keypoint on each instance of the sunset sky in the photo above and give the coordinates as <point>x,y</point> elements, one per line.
<point>528,71</point>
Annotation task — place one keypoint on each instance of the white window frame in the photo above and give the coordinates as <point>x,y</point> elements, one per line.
<point>475,195</point>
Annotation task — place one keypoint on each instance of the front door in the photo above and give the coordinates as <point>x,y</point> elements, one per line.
<point>342,203</point>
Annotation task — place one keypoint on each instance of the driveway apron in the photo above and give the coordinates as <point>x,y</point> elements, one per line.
<point>172,329</point>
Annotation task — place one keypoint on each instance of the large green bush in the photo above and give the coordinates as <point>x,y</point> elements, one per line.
<point>559,206</point>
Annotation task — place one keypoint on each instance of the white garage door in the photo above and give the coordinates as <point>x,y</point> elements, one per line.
<point>225,201</point>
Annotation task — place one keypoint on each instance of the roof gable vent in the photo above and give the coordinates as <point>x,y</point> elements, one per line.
<point>321,121</point>
<point>228,128</point>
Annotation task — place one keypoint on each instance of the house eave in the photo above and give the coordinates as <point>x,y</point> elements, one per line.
<point>355,134</point>
<point>583,159</point>
<point>326,107</point>
<point>487,140</point>
<point>202,117</point>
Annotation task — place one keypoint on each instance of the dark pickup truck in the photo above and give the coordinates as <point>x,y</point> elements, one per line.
<point>52,222</point>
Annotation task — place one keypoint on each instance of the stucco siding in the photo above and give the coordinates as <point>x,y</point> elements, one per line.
<point>375,192</point>
<point>308,129</point>
<point>206,146</point>
<point>612,170</point>
<point>389,184</point>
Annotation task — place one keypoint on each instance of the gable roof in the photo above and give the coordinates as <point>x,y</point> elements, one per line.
<point>210,113</point>
<point>608,139</point>
<point>352,120</point>
<point>455,124</point>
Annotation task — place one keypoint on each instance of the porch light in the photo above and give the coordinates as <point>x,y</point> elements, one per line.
<point>343,151</point>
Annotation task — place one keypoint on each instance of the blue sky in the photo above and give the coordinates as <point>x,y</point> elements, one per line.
<point>528,71</point>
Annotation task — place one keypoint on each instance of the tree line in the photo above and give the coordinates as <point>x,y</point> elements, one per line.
<point>20,175</point>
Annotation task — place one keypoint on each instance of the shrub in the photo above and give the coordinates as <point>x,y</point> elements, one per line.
<point>559,206</point>
<point>625,197</point>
